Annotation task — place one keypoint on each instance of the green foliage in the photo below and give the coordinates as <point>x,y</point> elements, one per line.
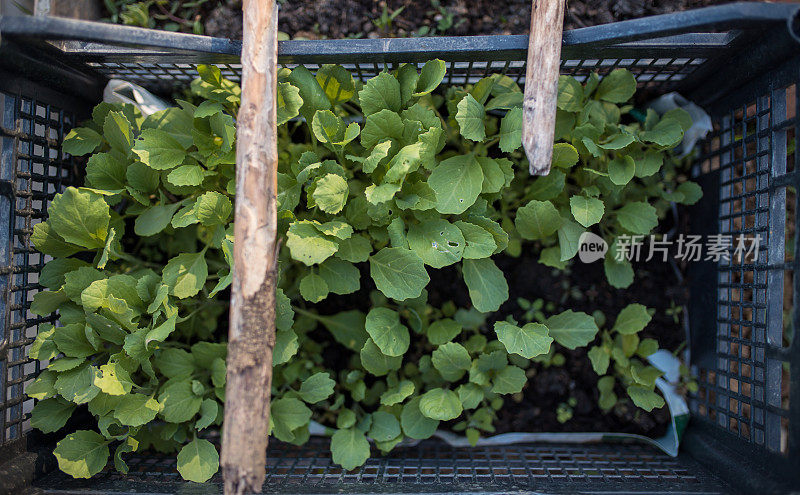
<point>420,181</point>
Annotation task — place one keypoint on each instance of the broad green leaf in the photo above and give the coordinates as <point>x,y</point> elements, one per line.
<point>71,340</point>
<point>570,94</point>
<point>547,187</point>
<point>198,461</point>
<point>564,155</point>
<point>288,414</point>
<point>47,241</point>
<point>340,276</point>
<point>336,82</point>
<point>46,302</point>
<point>308,244</point>
<point>311,93</point>
<point>632,319</point>
<point>621,169</point>
<point>607,398</point>
<point>349,448</point>
<point>438,242</point>
<point>443,331</point>
<point>176,121</point>
<point>80,217</point>
<point>569,235</point>
<point>118,132</point>
<point>470,118</point>
<point>317,387</point>
<point>209,410</point>
<point>457,183</point>
<point>186,175</point>
<point>384,327</point>
<point>380,92</point>
<point>587,211</point>
<point>571,329</point>
<point>637,217</point>
<point>327,126</point>
<point>537,220</point>
<point>407,76</point>
<point>186,274</point>
<point>178,401</point>
<point>529,341</point>
<point>356,249</point>
<point>509,380</point>
<point>377,194</point>
<point>142,178</point>
<point>77,385</point>
<point>385,426</point>
<point>380,126</point>
<point>347,328</point>
<point>154,219</point>
<point>478,242</point>
<point>618,273</point>
<point>430,76</point>
<point>451,360</point>
<point>330,193</point>
<point>440,404</point>
<point>398,273</point>
<point>106,171</point>
<point>51,414</point>
<point>175,362</point>
<point>487,286</point>
<point>113,379</point>
<point>600,359</point>
<point>617,142</point>
<point>81,141</point>
<point>511,130</point>
<point>289,102</point>
<point>691,192</point>
<point>398,393</point>
<point>159,150</point>
<point>415,424</point>
<point>313,288</point>
<point>645,398</point>
<point>82,454</point>
<point>616,87</point>
<point>43,387</point>
<point>136,409</point>
<point>667,133</point>
<point>213,208</point>
<point>377,362</point>
<point>470,395</point>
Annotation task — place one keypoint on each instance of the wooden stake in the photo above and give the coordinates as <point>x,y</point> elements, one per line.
<point>541,83</point>
<point>251,336</point>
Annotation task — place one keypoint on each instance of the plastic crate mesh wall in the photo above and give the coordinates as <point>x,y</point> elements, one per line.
<point>746,391</point>
<point>32,171</point>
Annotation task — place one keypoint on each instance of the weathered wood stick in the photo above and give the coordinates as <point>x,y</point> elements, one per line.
<point>541,83</point>
<point>251,336</point>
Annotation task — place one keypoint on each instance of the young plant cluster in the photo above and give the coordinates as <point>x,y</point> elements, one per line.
<point>381,184</point>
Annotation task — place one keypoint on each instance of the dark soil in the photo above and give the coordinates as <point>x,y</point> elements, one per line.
<point>354,18</point>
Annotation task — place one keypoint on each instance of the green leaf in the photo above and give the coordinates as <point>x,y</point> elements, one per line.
<point>587,211</point>
<point>330,195</point>
<point>178,401</point>
<point>637,217</point>
<point>531,340</point>
<point>209,410</point>
<point>380,92</point>
<point>136,409</point>
<point>600,359</point>
<point>377,363</point>
<point>438,242</point>
<point>618,273</point>
<point>621,170</point>
<point>340,276</point>
<point>347,328</point>
<point>645,398</point>
<point>309,245</point>
<point>142,178</point>
<point>159,150</point>
<point>617,142</point>
<point>385,426</point>
<point>186,175</point>
<point>443,331</point>
<point>46,302</point>
<point>380,126</point>
<point>457,183</point>
<point>176,121</point>
<point>311,93</point>
<point>198,461</point>
<point>47,241</point>
<point>691,192</point>
<point>478,242</point>
<point>154,219</point>
<point>452,360</point>
<point>43,387</point>
<point>186,274</point>
<point>571,329</point>
<point>80,217</point>
<point>317,387</point>
<point>106,171</point>
<point>430,76</point>
<point>570,94</point>
<point>415,424</point>
<point>440,404</point>
<point>51,414</point>
<point>470,118</point>
<point>289,102</point>
<point>82,454</point>
<point>117,131</point>
<point>667,133</point>
<point>607,398</point>
<point>632,319</point>
<point>384,327</point>
<point>537,220</point>
<point>356,249</point>
<point>616,87</point>
<point>337,82</point>
<point>470,395</point>
<point>77,385</point>
<point>511,130</point>
<point>349,448</point>
<point>288,414</point>
<point>398,273</point>
<point>213,208</point>
<point>398,393</point>
<point>327,126</point>
<point>564,155</point>
<point>509,380</point>
<point>547,187</point>
<point>487,286</point>
<point>81,141</point>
